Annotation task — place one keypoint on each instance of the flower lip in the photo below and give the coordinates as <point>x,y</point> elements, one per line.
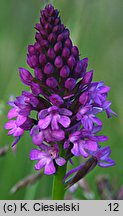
<point>46,157</point>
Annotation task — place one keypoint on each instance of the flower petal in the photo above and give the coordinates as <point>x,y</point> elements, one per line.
<point>65,112</point>
<point>18,132</point>
<point>97,121</point>
<point>10,124</point>
<point>12,113</point>
<point>60,161</point>
<point>101,138</point>
<point>90,145</point>
<point>25,111</point>
<point>82,151</point>
<point>54,122</point>
<point>104,164</point>
<point>85,109</point>
<point>64,121</point>
<point>20,120</point>
<point>104,89</point>
<point>103,153</point>
<point>40,164</point>
<point>75,149</point>
<point>34,130</point>
<point>35,154</point>
<point>48,135</point>
<point>43,113</point>
<point>49,168</point>
<point>58,135</point>
<point>97,100</point>
<point>87,123</point>
<point>38,138</point>
<point>12,130</point>
<point>44,123</point>
<point>75,136</point>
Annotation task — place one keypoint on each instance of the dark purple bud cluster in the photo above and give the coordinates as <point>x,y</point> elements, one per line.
<point>53,57</point>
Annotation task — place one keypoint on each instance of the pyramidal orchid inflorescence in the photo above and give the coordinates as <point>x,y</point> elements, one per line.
<point>64,98</point>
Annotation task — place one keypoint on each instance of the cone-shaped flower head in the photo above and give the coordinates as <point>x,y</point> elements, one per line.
<point>62,96</point>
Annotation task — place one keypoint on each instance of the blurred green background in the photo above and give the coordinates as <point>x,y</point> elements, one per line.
<point>97,29</point>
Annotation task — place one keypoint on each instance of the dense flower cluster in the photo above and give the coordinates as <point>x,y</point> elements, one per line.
<point>63,99</point>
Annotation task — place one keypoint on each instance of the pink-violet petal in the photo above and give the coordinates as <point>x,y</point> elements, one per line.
<point>60,161</point>
<point>49,168</point>
<point>44,123</point>
<point>64,121</point>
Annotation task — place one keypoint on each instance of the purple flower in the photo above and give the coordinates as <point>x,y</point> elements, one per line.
<point>21,109</point>
<point>23,105</point>
<point>14,111</point>
<point>54,116</point>
<point>92,134</point>
<point>81,146</point>
<point>102,156</point>
<point>46,157</point>
<point>50,124</point>
<point>62,98</point>
<point>109,111</point>
<point>14,126</point>
<point>87,117</point>
<point>99,92</point>
<point>38,136</point>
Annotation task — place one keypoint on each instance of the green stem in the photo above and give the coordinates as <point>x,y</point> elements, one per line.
<point>58,189</point>
<point>58,186</point>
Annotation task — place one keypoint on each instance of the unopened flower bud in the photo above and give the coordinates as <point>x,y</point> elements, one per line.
<point>56,100</point>
<point>52,38</point>
<point>37,47</point>
<point>75,51</point>
<point>88,77</point>
<point>38,26</point>
<point>31,49</point>
<point>25,76</point>
<point>48,69</point>
<point>51,53</point>
<point>68,43</point>
<point>32,61</point>
<point>42,59</point>
<point>48,27</point>
<point>44,44</point>
<point>58,62</point>
<point>65,71</point>
<point>83,99</point>
<point>58,47</point>
<point>38,73</point>
<point>43,33</point>
<point>84,64</point>
<point>57,21</point>
<point>65,52</point>
<point>70,83</point>
<point>71,61</point>
<point>51,82</point>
